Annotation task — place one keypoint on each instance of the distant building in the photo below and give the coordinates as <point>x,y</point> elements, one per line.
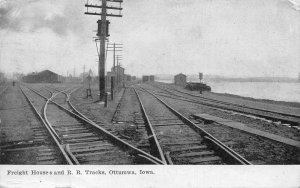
<point>196,86</point>
<point>109,77</point>
<point>1,77</point>
<point>119,71</point>
<point>17,76</point>
<point>180,79</point>
<point>148,78</point>
<point>45,76</point>
<point>151,77</point>
<point>133,78</point>
<point>145,78</point>
<point>128,77</point>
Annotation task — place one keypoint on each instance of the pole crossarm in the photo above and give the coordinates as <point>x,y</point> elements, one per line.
<point>97,39</point>
<point>99,6</point>
<point>117,1</point>
<point>109,47</point>
<point>99,14</point>
<point>103,34</point>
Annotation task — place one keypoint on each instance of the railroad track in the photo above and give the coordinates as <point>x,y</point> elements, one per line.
<point>50,150</point>
<point>116,117</point>
<point>3,88</point>
<point>82,141</point>
<point>129,112</point>
<point>177,139</point>
<point>277,117</point>
<point>125,123</point>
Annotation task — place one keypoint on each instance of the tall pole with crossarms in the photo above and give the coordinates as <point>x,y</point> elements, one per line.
<point>103,34</point>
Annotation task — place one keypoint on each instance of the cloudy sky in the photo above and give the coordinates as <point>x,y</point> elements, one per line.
<point>223,37</point>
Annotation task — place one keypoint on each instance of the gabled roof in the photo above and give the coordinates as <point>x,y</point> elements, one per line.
<point>180,74</point>
<point>46,71</point>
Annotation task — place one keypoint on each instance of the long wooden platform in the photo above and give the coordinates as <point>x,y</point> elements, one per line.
<point>237,125</point>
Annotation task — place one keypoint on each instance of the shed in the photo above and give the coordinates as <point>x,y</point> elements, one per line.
<point>128,77</point>
<point>45,76</point>
<point>151,78</point>
<point>109,77</point>
<point>146,78</point>
<point>180,79</point>
<point>120,73</point>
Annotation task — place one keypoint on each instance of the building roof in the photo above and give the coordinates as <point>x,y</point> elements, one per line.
<point>42,72</point>
<point>180,74</point>
<point>46,71</point>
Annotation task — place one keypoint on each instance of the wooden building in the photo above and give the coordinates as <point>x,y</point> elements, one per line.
<point>180,79</point>
<point>120,73</point>
<point>109,77</point>
<point>148,78</point>
<point>128,77</point>
<point>45,76</point>
<point>145,78</point>
<point>2,78</point>
<point>151,78</point>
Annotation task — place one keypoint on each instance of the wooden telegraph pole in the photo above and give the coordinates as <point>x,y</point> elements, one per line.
<point>119,58</point>
<point>103,34</point>
<point>114,48</point>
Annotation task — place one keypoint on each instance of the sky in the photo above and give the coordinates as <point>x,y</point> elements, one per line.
<point>236,38</point>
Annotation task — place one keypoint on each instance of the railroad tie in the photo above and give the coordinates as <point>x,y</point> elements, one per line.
<point>196,154</point>
<point>205,159</point>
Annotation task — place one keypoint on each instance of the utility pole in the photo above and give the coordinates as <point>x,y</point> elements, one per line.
<point>114,56</point>
<point>102,34</point>
<point>119,58</point>
<point>114,48</point>
<point>83,75</point>
<point>118,67</point>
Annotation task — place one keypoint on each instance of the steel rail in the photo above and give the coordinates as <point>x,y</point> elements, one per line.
<point>83,116</point>
<point>68,95</point>
<point>118,106</point>
<point>155,146</point>
<point>57,142</point>
<point>229,154</point>
<point>3,90</point>
<point>45,114</point>
<point>238,105</point>
<point>54,132</point>
<point>49,91</point>
<point>107,133</point>
<point>218,103</point>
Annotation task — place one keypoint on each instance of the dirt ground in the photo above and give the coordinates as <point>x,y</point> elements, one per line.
<point>23,138</point>
<point>260,151</point>
<point>15,126</point>
<point>280,106</point>
<point>256,149</point>
<point>18,124</point>
<point>122,125</point>
<point>271,127</point>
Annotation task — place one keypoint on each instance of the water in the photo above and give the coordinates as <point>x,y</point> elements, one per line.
<point>278,91</point>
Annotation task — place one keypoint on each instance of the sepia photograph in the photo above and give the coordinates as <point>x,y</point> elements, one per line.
<point>96,92</point>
